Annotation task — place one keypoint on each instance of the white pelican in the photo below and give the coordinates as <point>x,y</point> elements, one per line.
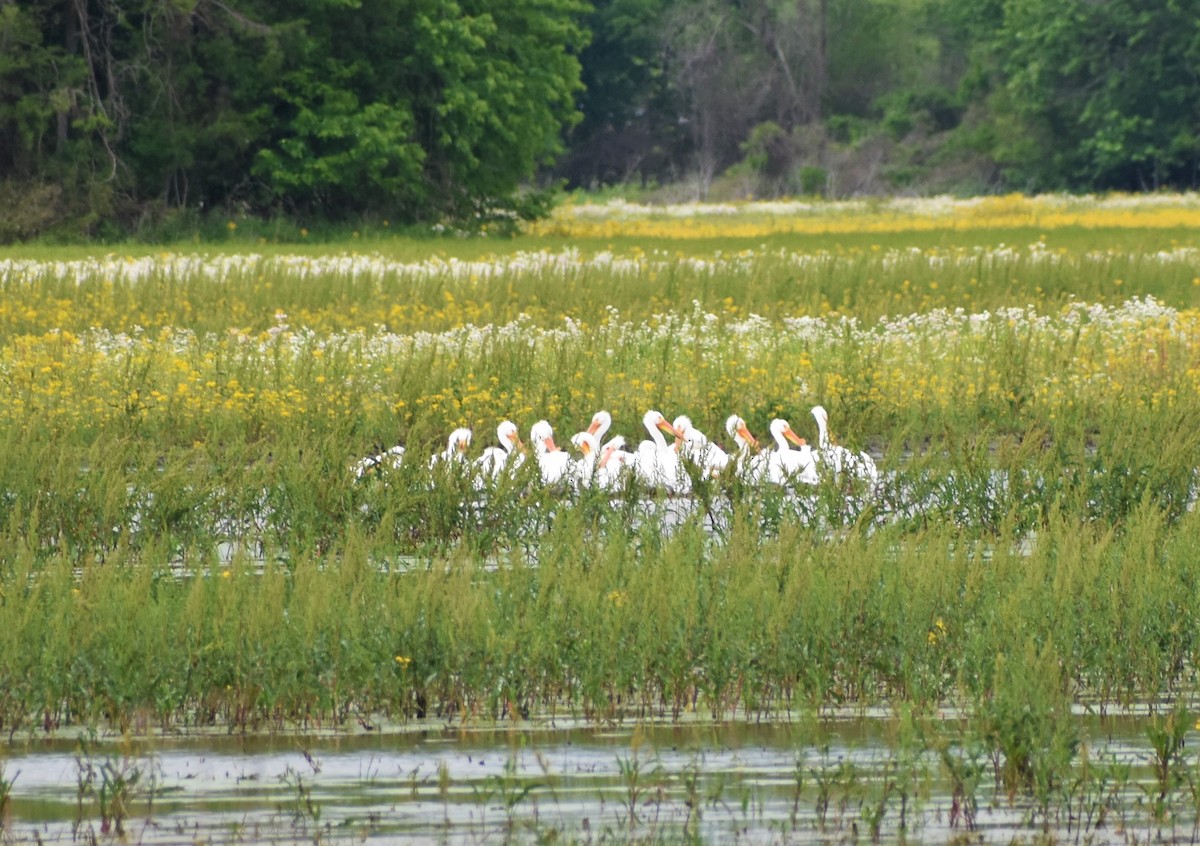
<point>456,449</point>
<point>838,458</point>
<point>583,472</point>
<point>656,462</point>
<point>615,462</point>
<point>695,446</point>
<point>752,468</point>
<point>371,464</point>
<point>737,429</point>
<point>601,423</point>
<point>553,462</point>
<point>785,464</point>
<point>495,459</point>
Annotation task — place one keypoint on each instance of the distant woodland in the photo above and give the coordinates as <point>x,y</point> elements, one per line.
<point>120,117</point>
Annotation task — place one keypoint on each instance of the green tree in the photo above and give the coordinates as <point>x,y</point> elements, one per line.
<point>413,109</point>
<point>45,92</point>
<point>1099,95</point>
<point>421,108</point>
<point>630,112</point>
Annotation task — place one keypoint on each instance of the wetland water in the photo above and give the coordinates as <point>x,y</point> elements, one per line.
<point>837,780</point>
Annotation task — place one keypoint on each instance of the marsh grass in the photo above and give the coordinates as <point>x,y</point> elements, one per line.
<point>183,542</point>
<point>613,626</point>
<point>332,292</point>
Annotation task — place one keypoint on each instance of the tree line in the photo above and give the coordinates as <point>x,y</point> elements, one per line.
<point>124,115</point>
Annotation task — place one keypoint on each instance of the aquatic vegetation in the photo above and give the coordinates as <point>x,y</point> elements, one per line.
<point>877,777</point>
<point>187,538</point>
<point>613,625</point>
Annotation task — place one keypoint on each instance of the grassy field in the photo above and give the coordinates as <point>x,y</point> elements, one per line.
<point>183,541</point>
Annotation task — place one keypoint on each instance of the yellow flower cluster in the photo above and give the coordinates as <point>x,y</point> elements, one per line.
<point>708,365</point>
<point>188,346</point>
<point>753,220</point>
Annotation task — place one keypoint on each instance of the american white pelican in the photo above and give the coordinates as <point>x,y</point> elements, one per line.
<point>456,449</point>
<point>601,423</point>
<point>553,462</point>
<point>372,464</point>
<point>838,458</point>
<point>751,467</point>
<point>656,462</point>
<point>784,464</point>
<point>737,429</point>
<point>695,446</point>
<point>614,465</point>
<point>495,459</point>
<point>583,471</point>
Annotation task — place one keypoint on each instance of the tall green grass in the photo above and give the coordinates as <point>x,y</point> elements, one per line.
<point>182,540</point>
<point>435,289</point>
<point>609,623</point>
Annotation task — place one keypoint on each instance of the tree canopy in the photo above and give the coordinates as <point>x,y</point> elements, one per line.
<point>414,109</point>
<point>118,112</point>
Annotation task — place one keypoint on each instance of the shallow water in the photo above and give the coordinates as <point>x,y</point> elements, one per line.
<point>471,785</point>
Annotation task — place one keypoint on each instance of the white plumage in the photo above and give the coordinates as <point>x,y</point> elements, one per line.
<point>554,463</point>
<point>839,459</point>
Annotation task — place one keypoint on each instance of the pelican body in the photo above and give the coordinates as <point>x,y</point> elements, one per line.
<point>372,464</point>
<point>553,463</point>
<point>456,449</point>
<point>495,460</point>
<point>693,445</point>
<point>839,459</point>
<point>786,465</point>
<point>655,462</point>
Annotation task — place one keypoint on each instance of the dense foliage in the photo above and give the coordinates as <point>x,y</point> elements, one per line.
<point>404,109</point>
<point>120,115</point>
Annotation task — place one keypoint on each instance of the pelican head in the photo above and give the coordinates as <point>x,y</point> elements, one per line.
<point>737,429</point>
<point>459,440</point>
<point>612,447</point>
<point>509,436</point>
<point>683,425</point>
<point>781,429</point>
<point>655,420</point>
<point>585,442</point>
<point>601,421</point>
<point>542,435</point>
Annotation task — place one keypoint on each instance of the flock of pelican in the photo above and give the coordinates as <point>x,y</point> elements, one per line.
<point>656,462</point>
